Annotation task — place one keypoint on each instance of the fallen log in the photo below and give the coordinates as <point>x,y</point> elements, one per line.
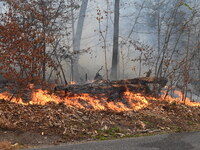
<point>143,80</point>
<point>146,85</point>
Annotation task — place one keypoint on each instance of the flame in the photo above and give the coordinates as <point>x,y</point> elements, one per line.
<point>9,97</point>
<point>42,97</point>
<point>72,83</point>
<point>84,101</point>
<point>180,99</point>
<point>129,101</point>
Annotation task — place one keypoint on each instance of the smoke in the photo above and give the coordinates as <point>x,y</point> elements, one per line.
<point>92,61</point>
<point>138,36</point>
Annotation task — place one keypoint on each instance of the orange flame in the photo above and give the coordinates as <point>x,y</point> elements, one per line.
<point>72,83</point>
<point>129,101</point>
<point>8,96</point>
<point>180,99</point>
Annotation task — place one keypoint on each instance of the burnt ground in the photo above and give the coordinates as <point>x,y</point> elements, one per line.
<point>36,125</point>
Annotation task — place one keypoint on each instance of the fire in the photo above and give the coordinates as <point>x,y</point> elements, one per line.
<point>88,101</point>
<point>129,101</point>
<point>42,97</point>
<point>84,101</point>
<point>141,101</point>
<point>180,99</point>
<point>72,82</point>
<point>9,97</point>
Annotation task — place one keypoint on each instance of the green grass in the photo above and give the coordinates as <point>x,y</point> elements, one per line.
<point>111,133</point>
<point>190,123</point>
<point>179,129</point>
<point>114,133</point>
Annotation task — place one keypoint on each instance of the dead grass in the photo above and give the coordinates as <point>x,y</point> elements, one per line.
<point>5,145</point>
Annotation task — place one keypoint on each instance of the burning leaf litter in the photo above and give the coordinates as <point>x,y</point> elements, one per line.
<point>128,102</point>
<point>84,116</point>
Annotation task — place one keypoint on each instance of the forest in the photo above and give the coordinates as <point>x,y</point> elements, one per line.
<point>60,41</point>
<point>97,69</point>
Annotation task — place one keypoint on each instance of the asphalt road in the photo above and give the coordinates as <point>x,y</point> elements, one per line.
<point>177,141</point>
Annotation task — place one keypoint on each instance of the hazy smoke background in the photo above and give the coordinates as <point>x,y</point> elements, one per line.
<point>138,24</point>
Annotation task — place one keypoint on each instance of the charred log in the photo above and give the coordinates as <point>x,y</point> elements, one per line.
<point>144,85</point>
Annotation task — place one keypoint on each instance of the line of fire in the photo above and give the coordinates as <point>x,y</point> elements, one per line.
<point>119,95</point>
<point>87,70</point>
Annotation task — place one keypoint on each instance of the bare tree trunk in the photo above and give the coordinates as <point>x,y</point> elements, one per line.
<point>104,37</point>
<point>72,62</point>
<point>114,69</point>
<point>44,62</point>
<point>165,46</point>
<point>105,40</point>
<point>186,69</point>
<point>123,62</point>
<point>158,37</point>
<point>198,56</point>
<point>77,39</point>
<point>44,26</point>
